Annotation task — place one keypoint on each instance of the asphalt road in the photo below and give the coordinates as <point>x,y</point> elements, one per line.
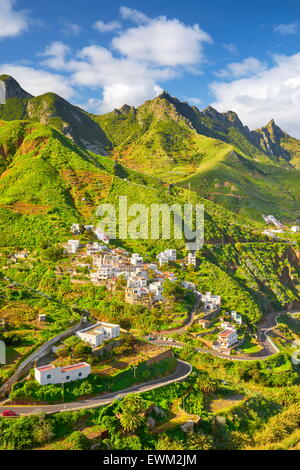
<point>182,370</point>
<point>263,327</point>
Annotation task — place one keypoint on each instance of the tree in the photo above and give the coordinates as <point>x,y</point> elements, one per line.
<point>206,384</point>
<point>79,441</point>
<point>131,422</point>
<point>133,404</point>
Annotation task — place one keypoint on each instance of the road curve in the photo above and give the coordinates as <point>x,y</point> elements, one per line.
<point>266,325</point>
<point>183,369</point>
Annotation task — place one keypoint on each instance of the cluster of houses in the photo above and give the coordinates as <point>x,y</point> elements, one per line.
<point>144,281</point>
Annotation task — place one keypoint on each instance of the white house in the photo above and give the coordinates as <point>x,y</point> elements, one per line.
<point>192,259</point>
<point>211,302</point>
<point>75,229</point>
<point>102,274</point>
<point>166,256</point>
<point>101,235</point>
<point>156,289</point>
<point>96,334</point>
<point>136,258</point>
<point>73,245</point>
<point>295,228</point>
<point>93,248</point>
<point>228,337</point>
<point>188,285</point>
<point>237,318</point>
<point>50,374</point>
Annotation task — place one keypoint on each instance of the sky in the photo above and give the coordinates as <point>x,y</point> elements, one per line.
<point>100,55</point>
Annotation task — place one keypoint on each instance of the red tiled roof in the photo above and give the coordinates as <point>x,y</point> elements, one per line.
<point>74,366</point>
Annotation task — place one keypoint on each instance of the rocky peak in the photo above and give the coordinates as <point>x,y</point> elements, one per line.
<point>10,88</point>
<point>274,131</point>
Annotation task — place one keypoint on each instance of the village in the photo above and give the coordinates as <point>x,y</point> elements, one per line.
<point>98,263</point>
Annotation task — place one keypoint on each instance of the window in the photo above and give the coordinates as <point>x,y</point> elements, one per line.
<point>49,376</point>
<point>67,377</point>
<point>79,374</point>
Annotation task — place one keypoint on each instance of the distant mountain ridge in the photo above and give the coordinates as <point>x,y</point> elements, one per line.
<point>214,154</point>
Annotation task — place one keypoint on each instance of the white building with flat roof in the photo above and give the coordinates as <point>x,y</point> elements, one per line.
<point>192,259</point>
<point>49,374</point>
<point>295,228</point>
<point>96,334</point>
<point>136,258</point>
<point>166,256</point>
<point>73,246</point>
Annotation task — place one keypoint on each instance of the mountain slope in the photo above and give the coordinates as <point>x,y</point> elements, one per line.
<point>15,103</point>
<point>47,183</point>
<point>212,153</point>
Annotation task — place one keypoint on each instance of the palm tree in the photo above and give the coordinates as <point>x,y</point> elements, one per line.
<point>206,384</point>
<point>130,422</point>
<point>133,404</point>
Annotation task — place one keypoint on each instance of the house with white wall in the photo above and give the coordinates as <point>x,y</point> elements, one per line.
<point>96,334</point>
<point>73,246</point>
<point>211,302</point>
<point>136,259</point>
<point>166,256</point>
<point>192,259</point>
<point>49,374</point>
<point>227,338</point>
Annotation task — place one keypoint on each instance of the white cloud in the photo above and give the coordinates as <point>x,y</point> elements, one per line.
<point>56,54</point>
<point>287,28</point>
<point>12,22</point>
<point>231,48</point>
<point>133,15</point>
<point>70,29</point>
<point>107,27</point>
<point>273,93</point>
<point>163,42</point>
<point>166,49</point>
<point>246,68</point>
<point>37,81</point>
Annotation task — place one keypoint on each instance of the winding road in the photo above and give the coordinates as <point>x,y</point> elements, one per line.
<point>266,325</point>
<point>183,369</point>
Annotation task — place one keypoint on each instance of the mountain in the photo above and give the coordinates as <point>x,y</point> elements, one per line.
<point>15,103</point>
<point>47,183</point>
<point>212,153</point>
<point>249,172</point>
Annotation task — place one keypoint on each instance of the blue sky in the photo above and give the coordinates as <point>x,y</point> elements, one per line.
<point>101,54</point>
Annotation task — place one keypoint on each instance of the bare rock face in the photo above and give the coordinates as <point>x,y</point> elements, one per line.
<point>9,88</point>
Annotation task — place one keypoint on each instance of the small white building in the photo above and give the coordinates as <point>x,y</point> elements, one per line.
<point>73,246</point>
<point>101,235</point>
<point>96,334</point>
<point>156,289</point>
<point>188,285</point>
<point>102,274</point>
<point>50,374</point>
<point>295,228</point>
<point>136,259</point>
<point>166,256</point>
<point>211,302</point>
<point>227,338</point>
<point>192,259</point>
<point>42,317</point>
<point>237,318</point>
<point>75,229</point>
